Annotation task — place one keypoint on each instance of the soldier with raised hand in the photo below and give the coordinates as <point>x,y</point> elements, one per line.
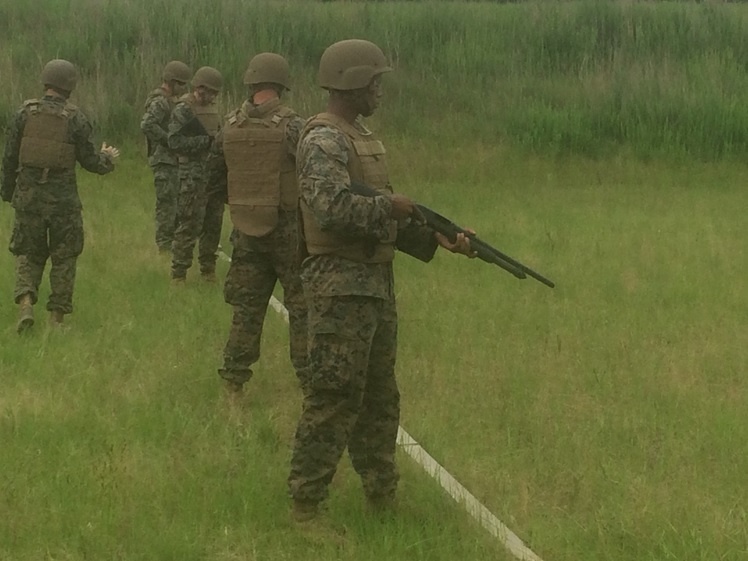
<point>45,139</point>
<point>258,148</point>
<point>193,126</point>
<point>163,161</point>
<point>352,399</point>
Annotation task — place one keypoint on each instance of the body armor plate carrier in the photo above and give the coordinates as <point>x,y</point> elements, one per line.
<point>366,163</point>
<point>45,137</point>
<point>261,172</point>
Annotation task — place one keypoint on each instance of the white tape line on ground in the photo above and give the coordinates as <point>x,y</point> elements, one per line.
<point>459,493</point>
<point>456,490</point>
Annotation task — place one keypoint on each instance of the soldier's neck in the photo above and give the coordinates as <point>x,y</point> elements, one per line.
<point>54,93</point>
<point>263,96</point>
<point>340,108</point>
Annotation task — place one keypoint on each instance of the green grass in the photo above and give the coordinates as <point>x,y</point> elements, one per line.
<point>604,419</point>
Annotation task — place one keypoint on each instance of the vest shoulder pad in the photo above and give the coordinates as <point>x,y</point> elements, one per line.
<point>69,110</point>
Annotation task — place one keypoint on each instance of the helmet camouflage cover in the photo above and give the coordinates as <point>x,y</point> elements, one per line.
<point>351,65</point>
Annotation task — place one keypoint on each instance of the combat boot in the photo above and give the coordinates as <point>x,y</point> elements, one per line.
<point>178,281</point>
<point>209,277</point>
<point>56,318</point>
<point>25,313</point>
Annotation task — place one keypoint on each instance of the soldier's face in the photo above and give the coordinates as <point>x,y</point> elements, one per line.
<point>205,96</point>
<point>178,88</point>
<point>370,97</point>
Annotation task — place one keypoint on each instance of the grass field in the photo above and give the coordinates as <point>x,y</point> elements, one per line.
<point>604,419</point>
<point>600,143</point>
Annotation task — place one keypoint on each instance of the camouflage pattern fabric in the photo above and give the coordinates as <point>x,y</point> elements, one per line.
<point>37,238</point>
<point>323,184</point>
<point>48,219</point>
<point>163,162</point>
<point>154,124</point>
<point>257,264</point>
<point>199,212</point>
<point>166,182</point>
<point>352,399</point>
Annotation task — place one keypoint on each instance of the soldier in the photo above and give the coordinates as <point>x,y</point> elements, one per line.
<point>45,139</point>
<point>258,148</point>
<point>163,161</point>
<point>193,126</point>
<point>352,399</point>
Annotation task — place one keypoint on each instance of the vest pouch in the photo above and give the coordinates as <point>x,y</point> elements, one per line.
<point>371,154</point>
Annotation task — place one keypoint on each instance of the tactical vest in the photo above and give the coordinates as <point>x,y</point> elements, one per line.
<point>366,163</point>
<point>206,114</point>
<point>45,137</point>
<point>261,172</point>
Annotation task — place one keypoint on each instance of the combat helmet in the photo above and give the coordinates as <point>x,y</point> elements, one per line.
<point>60,74</point>
<point>176,70</point>
<point>351,65</point>
<point>267,68</point>
<point>208,77</point>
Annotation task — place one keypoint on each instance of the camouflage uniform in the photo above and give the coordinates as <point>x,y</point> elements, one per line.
<point>265,251</point>
<point>200,205</point>
<point>48,219</point>
<point>163,162</point>
<point>348,282</point>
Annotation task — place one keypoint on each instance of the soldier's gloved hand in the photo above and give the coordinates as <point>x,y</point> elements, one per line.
<point>111,151</point>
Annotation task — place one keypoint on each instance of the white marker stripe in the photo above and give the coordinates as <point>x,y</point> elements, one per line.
<point>456,490</point>
<point>459,493</point>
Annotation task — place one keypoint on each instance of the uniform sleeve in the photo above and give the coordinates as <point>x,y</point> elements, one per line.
<point>216,168</point>
<point>157,112</point>
<point>10,156</point>
<point>88,156</point>
<point>181,143</point>
<point>293,132</point>
<point>324,185</point>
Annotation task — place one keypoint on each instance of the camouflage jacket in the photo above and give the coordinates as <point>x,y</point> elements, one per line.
<point>155,124</point>
<point>324,182</point>
<point>27,188</point>
<point>191,151</point>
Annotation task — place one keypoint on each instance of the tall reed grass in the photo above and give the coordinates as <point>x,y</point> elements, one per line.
<point>587,77</point>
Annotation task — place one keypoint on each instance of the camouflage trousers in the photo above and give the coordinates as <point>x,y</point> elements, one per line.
<point>166,182</point>
<point>352,399</point>
<point>199,217</point>
<point>38,237</point>
<point>249,285</point>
